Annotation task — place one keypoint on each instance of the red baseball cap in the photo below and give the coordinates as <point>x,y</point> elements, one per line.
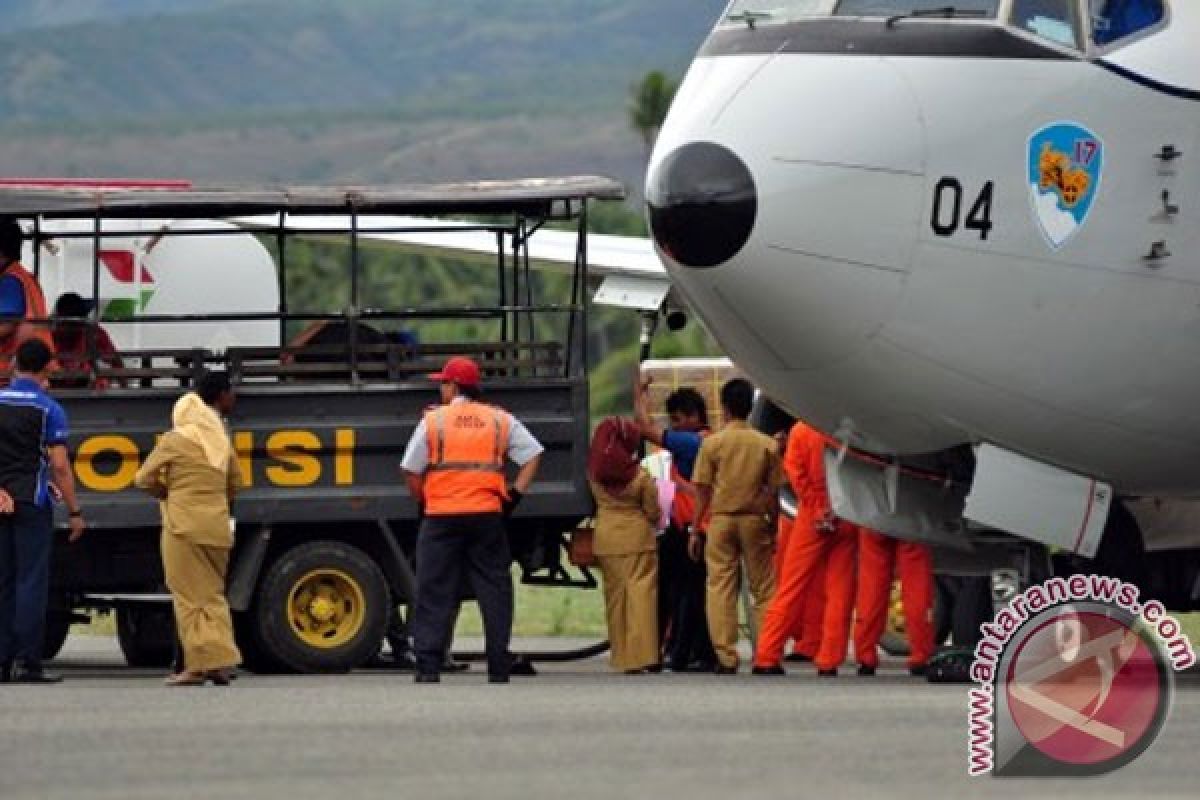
<point>460,370</point>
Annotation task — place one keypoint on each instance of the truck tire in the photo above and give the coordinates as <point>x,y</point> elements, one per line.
<point>146,636</point>
<point>254,655</point>
<point>321,607</point>
<point>58,627</point>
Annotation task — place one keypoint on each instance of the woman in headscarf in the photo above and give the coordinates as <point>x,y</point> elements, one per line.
<point>194,472</point>
<point>627,513</point>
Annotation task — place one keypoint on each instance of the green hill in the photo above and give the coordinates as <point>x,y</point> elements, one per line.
<point>409,59</point>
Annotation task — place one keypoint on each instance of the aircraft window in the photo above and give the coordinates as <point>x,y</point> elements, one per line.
<point>888,8</point>
<point>773,12</point>
<point>1113,20</point>
<point>1055,20</point>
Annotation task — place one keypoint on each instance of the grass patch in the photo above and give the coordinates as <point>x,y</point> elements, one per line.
<point>544,611</point>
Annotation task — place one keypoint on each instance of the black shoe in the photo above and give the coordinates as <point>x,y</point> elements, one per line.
<point>6,670</point>
<point>497,679</point>
<point>721,669</point>
<point>427,677</point>
<point>522,666</point>
<point>772,670</point>
<point>700,666</point>
<point>455,666</point>
<point>653,669</point>
<point>917,671</point>
<point>866,670</point>
<point>827,673</point>
<point>797,658</point>
<point>38,675</point>
<point>402,663</point>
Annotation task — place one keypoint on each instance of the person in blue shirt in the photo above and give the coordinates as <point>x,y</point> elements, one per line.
<point>34,471</point>
<point>683,626</point>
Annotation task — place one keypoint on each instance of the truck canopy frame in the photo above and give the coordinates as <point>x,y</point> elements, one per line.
<point>512,211</point>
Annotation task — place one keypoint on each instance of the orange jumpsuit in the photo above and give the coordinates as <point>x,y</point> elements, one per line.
<point>808,551</point>
<point>879,557</point>
<point>806,635</point>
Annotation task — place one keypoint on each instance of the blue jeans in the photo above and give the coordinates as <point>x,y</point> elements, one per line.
<point>26,540</point>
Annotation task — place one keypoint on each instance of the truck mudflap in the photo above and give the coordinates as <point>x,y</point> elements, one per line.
<point>244,576</point>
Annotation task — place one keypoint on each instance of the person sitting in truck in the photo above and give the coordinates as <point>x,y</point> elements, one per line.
<point>71,341</point>
<point>21,299</point>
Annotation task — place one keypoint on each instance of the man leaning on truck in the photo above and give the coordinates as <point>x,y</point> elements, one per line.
<point>454,465</point>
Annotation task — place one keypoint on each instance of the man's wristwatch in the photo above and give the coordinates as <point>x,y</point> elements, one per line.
<point>76,513</point>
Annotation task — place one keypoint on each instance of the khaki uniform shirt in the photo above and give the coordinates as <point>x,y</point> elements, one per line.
<point>625,522</point>
<point>195,495</point>
<point>742,467</point>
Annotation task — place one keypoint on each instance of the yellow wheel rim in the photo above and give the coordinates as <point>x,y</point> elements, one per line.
<point>326,608</point>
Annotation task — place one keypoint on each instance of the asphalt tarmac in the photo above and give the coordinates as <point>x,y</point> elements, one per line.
<point>573,732</point>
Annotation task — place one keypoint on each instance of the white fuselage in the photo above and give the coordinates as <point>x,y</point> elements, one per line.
<point>848,307</point>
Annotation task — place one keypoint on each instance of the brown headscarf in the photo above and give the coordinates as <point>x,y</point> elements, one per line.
<point>612,459</point>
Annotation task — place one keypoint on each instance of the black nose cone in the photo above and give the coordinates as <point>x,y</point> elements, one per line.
<point>702,203</point>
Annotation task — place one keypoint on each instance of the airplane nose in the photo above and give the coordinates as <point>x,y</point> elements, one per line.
<point>702,204</point>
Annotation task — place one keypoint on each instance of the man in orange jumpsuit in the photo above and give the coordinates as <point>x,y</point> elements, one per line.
<point>879,557</point>
<point>818,538</point>
<point>806,635</point>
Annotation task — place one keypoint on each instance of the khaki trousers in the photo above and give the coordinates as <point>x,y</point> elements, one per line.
<point>732,538</point>
<point>196,577</point>
<point>631,609</point>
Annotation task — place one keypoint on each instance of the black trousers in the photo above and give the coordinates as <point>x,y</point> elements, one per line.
<point>683,626</point>
<point>450,549</point>
<point>26,542</point>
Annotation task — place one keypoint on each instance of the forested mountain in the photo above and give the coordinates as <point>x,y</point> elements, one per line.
<point>404,58</point>
<point>332,90</point>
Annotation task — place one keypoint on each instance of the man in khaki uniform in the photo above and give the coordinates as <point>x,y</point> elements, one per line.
<point>738,475</point>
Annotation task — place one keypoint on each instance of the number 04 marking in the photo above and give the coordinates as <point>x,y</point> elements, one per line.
<point>947,209</point>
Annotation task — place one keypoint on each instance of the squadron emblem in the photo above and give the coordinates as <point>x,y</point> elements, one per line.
<point>1066,161</point>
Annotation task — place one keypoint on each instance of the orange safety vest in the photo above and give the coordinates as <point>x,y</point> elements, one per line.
<point>467,444</point>
<point>35,309</point>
